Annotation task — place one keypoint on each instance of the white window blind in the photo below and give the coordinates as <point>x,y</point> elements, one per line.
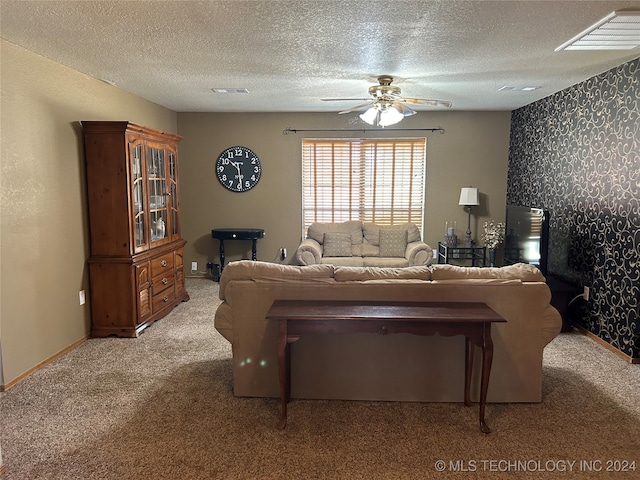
<point>372,180</point>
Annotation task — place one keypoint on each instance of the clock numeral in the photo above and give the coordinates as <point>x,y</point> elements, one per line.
<point>223,161</point>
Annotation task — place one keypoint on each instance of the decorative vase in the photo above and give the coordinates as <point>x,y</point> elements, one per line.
<point>160,228</point>
<point>492,257</point>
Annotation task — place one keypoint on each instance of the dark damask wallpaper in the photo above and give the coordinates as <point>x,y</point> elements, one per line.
<point>577,154</point>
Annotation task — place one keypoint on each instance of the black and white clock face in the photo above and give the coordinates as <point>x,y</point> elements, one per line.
<point>238,169</point>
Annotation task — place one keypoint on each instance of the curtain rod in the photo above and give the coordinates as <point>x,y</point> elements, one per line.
<point>288,130</point>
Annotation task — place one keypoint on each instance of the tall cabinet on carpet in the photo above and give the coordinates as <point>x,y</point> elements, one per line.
<point>136,266</point>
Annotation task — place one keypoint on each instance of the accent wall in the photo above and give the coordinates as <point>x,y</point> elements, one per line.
<point>577,154</point>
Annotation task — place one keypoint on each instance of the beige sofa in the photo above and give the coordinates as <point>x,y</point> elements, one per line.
<point>391,367</point>
<point>358,244</point>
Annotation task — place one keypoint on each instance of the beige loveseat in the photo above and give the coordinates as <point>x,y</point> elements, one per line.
<point>358,244</point>
<point>386,367</point>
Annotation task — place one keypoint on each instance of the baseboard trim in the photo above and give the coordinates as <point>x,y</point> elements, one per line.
<point>606,345</point>
<point>15,381</point>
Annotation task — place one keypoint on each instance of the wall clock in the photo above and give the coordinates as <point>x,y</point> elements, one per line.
<point>238,169</point>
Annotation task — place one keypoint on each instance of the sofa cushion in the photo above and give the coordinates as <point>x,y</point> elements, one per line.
<point>386,262</point>
<point>251,270</point>
<point>354,261</point>
<point>336,244</point>
<point>393,243</point>
<point>370,250</point>
<point>520,271</point>
<point>353,228</point>
<point>346,274</point>
<point>371,232</point>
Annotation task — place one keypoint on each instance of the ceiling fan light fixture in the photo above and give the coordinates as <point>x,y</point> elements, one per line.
<point>390,116</point>
<point>370,116</point>
<point>382,114</point>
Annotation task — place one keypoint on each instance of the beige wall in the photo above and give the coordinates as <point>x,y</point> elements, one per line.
<point>43,235</point>
<point>473,151</point>
<point>43,228</point>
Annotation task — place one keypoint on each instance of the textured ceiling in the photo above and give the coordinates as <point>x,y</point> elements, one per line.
<point>290,54</point>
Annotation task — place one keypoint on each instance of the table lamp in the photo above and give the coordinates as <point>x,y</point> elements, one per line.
<point>468,198</point>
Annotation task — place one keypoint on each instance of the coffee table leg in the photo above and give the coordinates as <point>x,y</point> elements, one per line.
<point>487,358</point>
<point>283,372</point>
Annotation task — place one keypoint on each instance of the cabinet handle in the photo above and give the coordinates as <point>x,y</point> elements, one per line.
<point>165,281</point>
<point>165,299</point>
<point>163,263</point>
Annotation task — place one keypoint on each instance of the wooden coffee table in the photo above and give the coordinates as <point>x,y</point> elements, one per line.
<point>302,317</point>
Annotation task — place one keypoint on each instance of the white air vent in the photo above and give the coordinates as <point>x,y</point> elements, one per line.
<point>230,90</point>
<point>619,30</point>
<point>517,89</point>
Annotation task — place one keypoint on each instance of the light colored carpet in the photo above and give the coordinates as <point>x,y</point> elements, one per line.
<point>161,406</point>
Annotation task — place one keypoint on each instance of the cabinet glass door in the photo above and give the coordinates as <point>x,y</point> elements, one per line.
<point>139,234</point>
<point>158,208</point>
<point>173,194</point>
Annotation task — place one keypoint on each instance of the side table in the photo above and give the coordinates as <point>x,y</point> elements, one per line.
<point>301,317</point>
<point>477,255</point>
<point>223,234</point>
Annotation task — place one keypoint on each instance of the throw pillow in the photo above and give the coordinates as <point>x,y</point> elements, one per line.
<point>336,245</point>
<point>393,243</point>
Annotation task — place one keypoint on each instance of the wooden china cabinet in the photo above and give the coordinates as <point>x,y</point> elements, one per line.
<point>136,266</point>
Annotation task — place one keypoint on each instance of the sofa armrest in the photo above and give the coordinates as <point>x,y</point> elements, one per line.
<point>551,325</point>
<point>418,253</point>
<point>309,252</point>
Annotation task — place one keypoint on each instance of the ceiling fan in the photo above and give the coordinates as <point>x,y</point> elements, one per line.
<point>386,105</point>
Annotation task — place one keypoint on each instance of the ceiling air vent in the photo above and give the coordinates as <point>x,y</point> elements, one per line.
<point>507,88</point>
<point>230,90</point>
<point>619,30</point>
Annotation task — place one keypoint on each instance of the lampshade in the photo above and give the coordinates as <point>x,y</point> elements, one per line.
<point>390,116</point>
<point>468,196</point>
<point>370,116</point>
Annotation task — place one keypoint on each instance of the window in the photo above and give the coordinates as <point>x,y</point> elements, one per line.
<point>372,180</point>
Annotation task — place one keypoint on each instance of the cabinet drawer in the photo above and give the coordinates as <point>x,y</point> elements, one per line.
<point>162,282</point>
<point>162,264</point>
<point>163,299</point>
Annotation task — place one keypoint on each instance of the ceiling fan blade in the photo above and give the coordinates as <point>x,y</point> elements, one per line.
<point>343,99</point>
<point>426,101</point>
<point>403,109</point>
<point>357,107</point>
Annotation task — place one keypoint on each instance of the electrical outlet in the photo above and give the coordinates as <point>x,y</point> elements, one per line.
<point>194,266</point>
<point>81,297</point>
<point>585,294</point>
